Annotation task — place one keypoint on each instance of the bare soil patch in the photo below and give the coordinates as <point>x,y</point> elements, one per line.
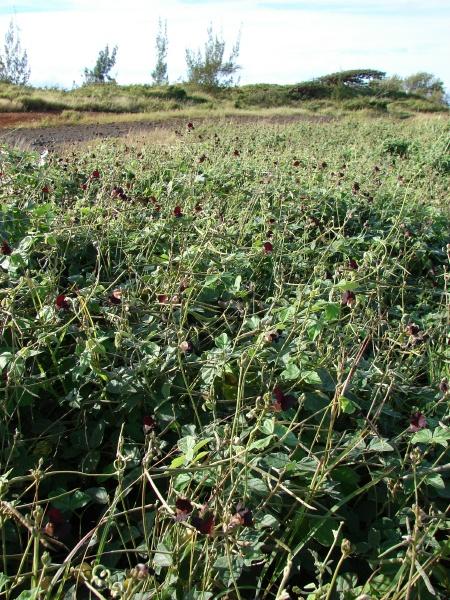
<point>52,137</point>
<point>9,119</point>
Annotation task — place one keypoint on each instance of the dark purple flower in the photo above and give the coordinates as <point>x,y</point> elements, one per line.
<point>245,515</point>
<point>204,524</point>
<point>5,248</point>
<point>61,302</point>
<point>412,329</point>
<point>116,297</point>
<point>348,298</point>
<point>56,526</point>
<point>183,509</point>
<point>272,336</point>
<point>148,424</point>
<point>118,192</point>
<point>443,386</point>
<point>282,402</point>
<point>417,422</point>
<point>55,516</point>
<point>267,247</point>
<point>186,347</point>
<point>177,212</point>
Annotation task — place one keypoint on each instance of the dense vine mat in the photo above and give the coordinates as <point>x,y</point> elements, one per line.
<point>224,365</point>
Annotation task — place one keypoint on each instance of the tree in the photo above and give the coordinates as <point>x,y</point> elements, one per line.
<point>390,85</point>
<point>159,74</point>
<point>209,68</point>
<point>14,63</point>
<point>353,78</point>
<point>425,84</point>
<point>104,64</point>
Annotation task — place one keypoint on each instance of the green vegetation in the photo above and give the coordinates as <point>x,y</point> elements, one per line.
<point>100,73</point>
<point>310,97</point>
<point>160,72</point>
<point>13,61</point>
<point>225,365</point>
<point>209,68</point>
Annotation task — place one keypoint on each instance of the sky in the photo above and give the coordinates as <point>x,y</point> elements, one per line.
<point>282,41</point>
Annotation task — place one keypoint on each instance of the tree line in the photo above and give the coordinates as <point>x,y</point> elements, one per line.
<point>209,67</point>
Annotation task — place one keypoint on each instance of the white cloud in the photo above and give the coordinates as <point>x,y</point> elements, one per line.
<point>277,45</point>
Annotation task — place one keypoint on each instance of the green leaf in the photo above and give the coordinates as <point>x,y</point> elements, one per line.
<point>379,445</point>
<point>290,372</point>
<point>311,378</point>
<point>324,534</point>
<point>186,445</point>
<point>332,311</point>
<point>178,462</point>
<point>347,285</point>
<point>96,432</point>
<point>5,359</point>
<point>288,437</point>
<point>277,460</point>
<point>260,444</point>
<point>201,444</point>
<point>199,456</point>
<point>436,481</point>
<point>268,521</point>
<point>162,558</point>
<point>441,435</point>
<point>192,595</point>
<point>71,501</point>
<point>424,436</point>
<point>3,581</point>
<point>90,461</point>
<point>252,323</point>
<point>32,594</point>
<point>267,426</point>
<point>222,341</point>
<point>347,406</point>
<point>98,494</point>
<point>258,486</point>
<point>227,574</point>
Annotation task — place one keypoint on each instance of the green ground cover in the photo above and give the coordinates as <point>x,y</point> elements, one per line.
<point>110,100</point>
<point>224,364</point>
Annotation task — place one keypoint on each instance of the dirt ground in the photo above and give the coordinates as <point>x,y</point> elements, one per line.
<point>51,137</point>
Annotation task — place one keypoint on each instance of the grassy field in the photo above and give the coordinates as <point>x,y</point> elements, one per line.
<point>225,365</point>
<point>110,102</point>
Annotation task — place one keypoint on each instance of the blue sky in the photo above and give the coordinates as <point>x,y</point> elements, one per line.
<point>283,41</point>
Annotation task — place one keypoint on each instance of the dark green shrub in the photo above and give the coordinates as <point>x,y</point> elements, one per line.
<point>35,103</point>
<point>264,96</point>
<point>310,90</point>
<point>363,103</point>
<point>396,147</point>
<point>176,92</point>
<point>353,77</point>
